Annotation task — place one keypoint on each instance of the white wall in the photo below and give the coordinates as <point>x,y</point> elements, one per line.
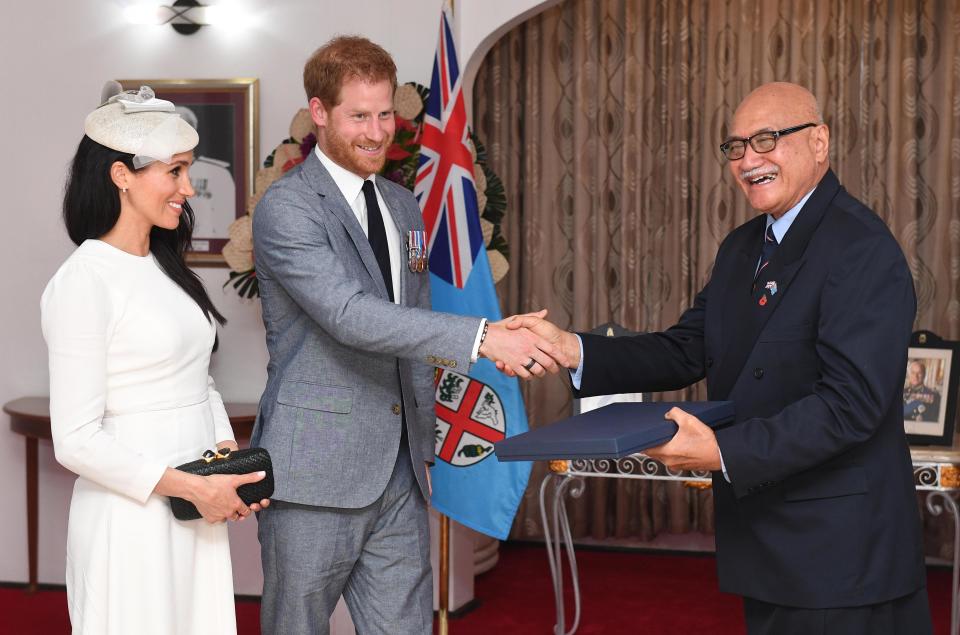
<point>55,57</point>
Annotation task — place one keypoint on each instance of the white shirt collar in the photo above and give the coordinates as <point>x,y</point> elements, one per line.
<point>347,182</point>
<point>782,224</point>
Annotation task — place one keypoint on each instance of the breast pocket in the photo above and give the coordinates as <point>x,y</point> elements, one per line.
<point>788,332</point>
<point>313,396</point>
<point>790,353</point>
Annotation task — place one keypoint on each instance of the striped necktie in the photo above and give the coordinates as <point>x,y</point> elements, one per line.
<point>769,246</point>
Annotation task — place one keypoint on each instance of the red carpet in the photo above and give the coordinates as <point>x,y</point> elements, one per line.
<point>661,594</point>
<point>658,594</point>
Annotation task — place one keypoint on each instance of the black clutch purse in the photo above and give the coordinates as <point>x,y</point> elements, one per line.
<point>224,461</point>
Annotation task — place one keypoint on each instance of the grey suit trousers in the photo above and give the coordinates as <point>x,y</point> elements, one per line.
<point>377,557</point>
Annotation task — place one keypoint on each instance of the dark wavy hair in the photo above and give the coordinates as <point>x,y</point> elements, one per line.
<point>91,207</point>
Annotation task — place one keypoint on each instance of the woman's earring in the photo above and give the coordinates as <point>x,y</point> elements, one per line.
<point>124,190</point>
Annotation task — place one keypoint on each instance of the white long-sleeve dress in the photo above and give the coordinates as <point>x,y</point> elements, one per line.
<point>130,394</point>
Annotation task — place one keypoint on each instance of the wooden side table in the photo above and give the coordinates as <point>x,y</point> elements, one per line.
<point>30,416</point>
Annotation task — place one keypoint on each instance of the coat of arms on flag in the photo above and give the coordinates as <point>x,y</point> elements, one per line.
<point>470,419</point>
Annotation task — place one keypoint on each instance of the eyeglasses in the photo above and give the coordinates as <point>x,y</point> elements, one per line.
<point>761,142</point>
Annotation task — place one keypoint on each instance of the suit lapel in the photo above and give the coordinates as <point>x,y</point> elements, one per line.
<point>746,312</point>
<point>401,216</point>
<point>332,200</point>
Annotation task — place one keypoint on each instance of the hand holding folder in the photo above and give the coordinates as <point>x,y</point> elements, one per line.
<point>693,447</point>
<point>620,429</point>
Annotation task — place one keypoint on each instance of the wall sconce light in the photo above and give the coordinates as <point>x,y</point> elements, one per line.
<point>185,16</point>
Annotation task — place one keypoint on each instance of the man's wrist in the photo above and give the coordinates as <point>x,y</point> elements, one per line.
<point>572,347</point>
<point>576,371</point>
<point>723,466</point>
<point>478,342</point>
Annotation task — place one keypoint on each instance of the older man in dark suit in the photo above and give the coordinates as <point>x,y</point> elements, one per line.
<point>805,325</point>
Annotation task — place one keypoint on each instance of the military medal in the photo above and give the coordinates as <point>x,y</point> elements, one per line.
<point>417,250</point>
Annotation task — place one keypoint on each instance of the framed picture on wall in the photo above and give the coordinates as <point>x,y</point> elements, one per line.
<point>224,112</point>
<point>930,389</point>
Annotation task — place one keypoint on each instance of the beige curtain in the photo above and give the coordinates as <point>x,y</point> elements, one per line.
<point>603,119</point>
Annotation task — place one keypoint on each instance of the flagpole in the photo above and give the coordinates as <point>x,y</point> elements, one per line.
<point>444,590</point>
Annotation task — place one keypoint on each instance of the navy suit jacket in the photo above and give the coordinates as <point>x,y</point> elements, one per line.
<point>821,509</point>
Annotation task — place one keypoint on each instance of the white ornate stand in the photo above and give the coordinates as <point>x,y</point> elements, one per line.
<point>934,471</point>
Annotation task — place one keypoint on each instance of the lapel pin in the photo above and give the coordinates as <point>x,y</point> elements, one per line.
<point>772,286</point>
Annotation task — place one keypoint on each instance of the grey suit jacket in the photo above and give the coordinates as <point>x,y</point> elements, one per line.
<point>330,415</point>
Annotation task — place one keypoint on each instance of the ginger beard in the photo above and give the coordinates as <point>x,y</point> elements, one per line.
<point>354,154</point>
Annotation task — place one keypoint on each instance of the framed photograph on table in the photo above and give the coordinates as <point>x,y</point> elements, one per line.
<point>930,389</point>
<point>224,112</point>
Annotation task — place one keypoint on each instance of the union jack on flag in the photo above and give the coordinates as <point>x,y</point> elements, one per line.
<point>444,185</point>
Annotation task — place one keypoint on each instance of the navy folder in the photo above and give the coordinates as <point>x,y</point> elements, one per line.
<point>611,432</point>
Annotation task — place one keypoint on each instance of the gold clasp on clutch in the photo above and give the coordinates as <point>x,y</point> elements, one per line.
<point>222,453</point>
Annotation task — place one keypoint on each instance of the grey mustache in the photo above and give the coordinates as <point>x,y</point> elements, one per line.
<point>749,174</point>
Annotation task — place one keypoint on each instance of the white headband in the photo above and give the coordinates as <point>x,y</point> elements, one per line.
<point>138,123</point>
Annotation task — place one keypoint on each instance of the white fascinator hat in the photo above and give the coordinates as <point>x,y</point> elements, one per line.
<point>138,123</point>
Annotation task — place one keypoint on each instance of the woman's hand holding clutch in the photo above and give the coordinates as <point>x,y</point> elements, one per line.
<point>217,499</point>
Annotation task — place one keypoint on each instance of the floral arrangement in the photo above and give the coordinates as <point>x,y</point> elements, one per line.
<point>401,167</point>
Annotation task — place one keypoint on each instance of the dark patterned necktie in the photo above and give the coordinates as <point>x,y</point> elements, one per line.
<point>769,246</point>
<point>377,235</point>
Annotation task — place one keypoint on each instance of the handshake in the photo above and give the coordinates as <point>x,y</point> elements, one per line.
<point>528,345</point>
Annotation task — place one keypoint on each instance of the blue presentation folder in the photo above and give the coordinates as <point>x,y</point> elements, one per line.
<point>611,432</point>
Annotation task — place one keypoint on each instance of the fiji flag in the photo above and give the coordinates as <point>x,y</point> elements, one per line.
<point>473,412</point>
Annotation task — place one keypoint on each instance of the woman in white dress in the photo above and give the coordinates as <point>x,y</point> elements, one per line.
<point>130,330</point>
